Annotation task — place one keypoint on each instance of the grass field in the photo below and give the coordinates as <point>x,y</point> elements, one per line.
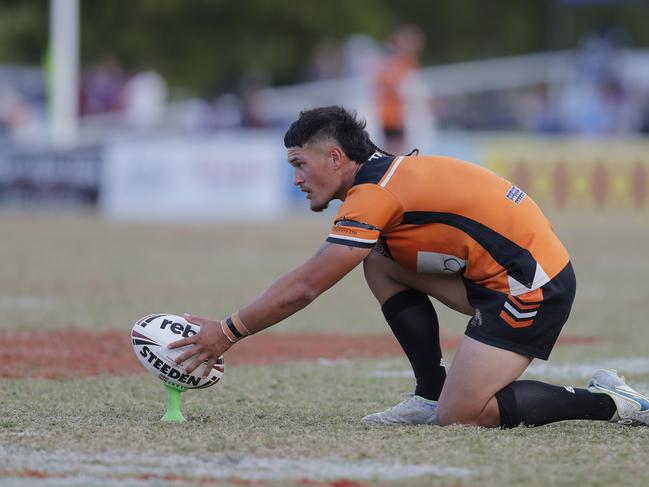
<point>295,423</point>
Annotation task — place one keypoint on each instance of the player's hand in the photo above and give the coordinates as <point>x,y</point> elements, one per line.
<point>207,345</point>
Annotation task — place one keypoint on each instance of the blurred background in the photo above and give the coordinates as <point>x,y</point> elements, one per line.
<point>175,110</point>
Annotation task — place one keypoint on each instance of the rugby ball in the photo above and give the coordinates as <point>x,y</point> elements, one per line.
<point>151,335</point>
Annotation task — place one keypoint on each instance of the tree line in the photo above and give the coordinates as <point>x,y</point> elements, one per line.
<point>204,46</point>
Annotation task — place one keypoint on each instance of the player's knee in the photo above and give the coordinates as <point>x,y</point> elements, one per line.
<point>447,415</point>
<point>465,414</point>
<point>447,411</point>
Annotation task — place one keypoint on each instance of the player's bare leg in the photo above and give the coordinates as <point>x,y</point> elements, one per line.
<point>468,396</point>
<point>403,295</point>
<point>481,388</point>
<point>386,278</point>
<point>478,372</point>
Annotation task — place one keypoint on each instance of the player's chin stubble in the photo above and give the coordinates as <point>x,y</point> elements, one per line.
<point>319,208</point>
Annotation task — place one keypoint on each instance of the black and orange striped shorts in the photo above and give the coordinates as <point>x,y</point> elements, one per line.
<point>529,323</point>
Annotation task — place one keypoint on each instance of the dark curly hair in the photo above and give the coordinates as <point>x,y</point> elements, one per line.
<point>332,122</point>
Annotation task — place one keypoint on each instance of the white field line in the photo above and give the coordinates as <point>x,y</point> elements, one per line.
<point>325,362</point>
<point>392,373</point>
<point>27,303</point>
<point>77,468</point>
<point>628,365</point>
<point>570,370</point>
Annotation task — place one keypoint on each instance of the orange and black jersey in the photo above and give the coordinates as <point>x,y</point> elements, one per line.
<point>443,215</point>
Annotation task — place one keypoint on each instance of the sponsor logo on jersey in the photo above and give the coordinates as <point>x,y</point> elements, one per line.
<point>437,263</point>
<point>515,194</point>
<point>347,230</point>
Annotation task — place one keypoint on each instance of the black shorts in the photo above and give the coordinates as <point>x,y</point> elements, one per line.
<point>528,324</point>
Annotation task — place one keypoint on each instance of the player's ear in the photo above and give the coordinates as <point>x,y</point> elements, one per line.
<point>336,155</point>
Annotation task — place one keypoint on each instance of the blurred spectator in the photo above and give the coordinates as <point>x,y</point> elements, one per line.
<point>21,119</point>
<point>361,55</point>
<point>228,111</point>
<point>620,106</point>
<point>644,116</point>
<point>400,62</point>
<point>101,88</point>
<point>197,116</point>
<point>144,97</point>
<point>253,81</point>
<point>22,105</point>
<point>597,99</point>
<point>327,62</point>
<point>534,110</point>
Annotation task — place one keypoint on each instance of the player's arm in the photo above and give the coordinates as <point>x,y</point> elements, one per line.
<point>287,295</point>
<point>299,287</point>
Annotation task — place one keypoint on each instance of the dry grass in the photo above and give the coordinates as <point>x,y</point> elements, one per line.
<point>79,271</point>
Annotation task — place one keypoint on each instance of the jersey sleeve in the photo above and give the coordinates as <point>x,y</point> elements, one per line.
<point>367,210</point>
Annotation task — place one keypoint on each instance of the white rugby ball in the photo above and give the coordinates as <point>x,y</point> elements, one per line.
<point>150,337</point>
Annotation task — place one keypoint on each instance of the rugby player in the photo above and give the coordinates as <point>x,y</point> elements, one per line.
<point>432,226</point>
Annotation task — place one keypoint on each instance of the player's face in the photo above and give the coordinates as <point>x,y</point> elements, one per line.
<point>314,173</point>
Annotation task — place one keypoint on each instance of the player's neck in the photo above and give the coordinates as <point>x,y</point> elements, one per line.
<point>348,179</point>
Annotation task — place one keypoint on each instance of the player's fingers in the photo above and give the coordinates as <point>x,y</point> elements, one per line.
<point>196,320</point>
<point>182,342</point>
<point>188,354</point>
<point>208,368</point>
<point>199,360</point>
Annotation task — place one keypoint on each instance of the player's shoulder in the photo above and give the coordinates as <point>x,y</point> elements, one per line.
<point>373,170</point>
<point>381,169</point>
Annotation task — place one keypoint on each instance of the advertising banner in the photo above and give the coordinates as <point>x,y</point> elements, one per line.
<point>48,177</point>
<point>227,175</point>
<point>588,173</point>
